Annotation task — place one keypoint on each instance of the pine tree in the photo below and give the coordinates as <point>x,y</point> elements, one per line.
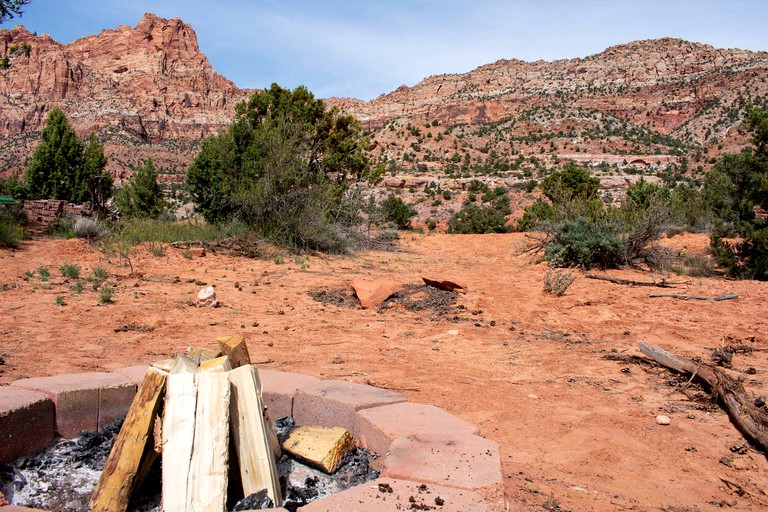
<point>56,167</point>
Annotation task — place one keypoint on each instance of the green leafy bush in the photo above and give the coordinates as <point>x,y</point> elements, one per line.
<point>396,211</point>
<point>478,220</point>
<point>70,270</point>
<point>11,231</point>
<point>586,244</point>
<point>142,196</point>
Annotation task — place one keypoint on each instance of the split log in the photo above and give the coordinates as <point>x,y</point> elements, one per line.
<point>727,296</point>
<point>178,440</point>
<point>320,447</point>
<point>132,446</point>
<point>184,364</point>
<point>250,432</point>
<point>165,365</point>
<point>628,282</point>
<point>236,348</point>
<point>208,469</point>
<point>201,354</point>
<point>748,418</point>
<point>220,364</point>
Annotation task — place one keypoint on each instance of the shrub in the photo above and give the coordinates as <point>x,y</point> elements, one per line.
<point>534,215</point>
<point>556,282</point>
<point>87,228</point>
<point>11,232</point>
<point>156,248</point>
<point>431,224</point>
<point>70,270</point>
<point>396,211</point>
<point>585,244</point>
<point>447,195</point>
<point>478,220</point>
<point>60,228</point>
<point>43,273</point>
<point>105,294</point>
<point>142,195</point>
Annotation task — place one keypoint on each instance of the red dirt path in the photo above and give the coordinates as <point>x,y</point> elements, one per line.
<point>576,430</point>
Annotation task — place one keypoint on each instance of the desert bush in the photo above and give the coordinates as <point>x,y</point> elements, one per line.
<point>694,266</point>
<point>396,211</point>
<point>60,228</point>
<point>478,219</point>
<point>156,248</point>
<point>585,244</point>
<point>142,196</point>
<point>70,270</point>
<point>106,292</point>
<point>140,230</point>
<point>556,282</point>
<point>90,229</point>
<point>11,231</point>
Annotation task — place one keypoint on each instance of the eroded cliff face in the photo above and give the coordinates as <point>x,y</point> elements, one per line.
<point>149,91</point>
<point>148,85</point>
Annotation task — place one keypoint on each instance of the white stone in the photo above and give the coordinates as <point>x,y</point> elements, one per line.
<point>663,420</point>
<point>207,297</point>
<point>453,332</point>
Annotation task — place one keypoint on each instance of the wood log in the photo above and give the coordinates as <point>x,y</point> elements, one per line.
<point>116,484</point>
<point>749,419</point>
<point>184,364</point>
<point>236,348</point>
<point>165,365</point>
<point>220,364</point>
<point>201,354</point>
<point>320,447</point>
<point>178,440</point>
<point>628,282</point>
<point>208,471</point>
<point>726,296</point>
<point>249,429</point>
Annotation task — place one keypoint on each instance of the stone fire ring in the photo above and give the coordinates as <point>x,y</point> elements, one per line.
<point>426,454</point>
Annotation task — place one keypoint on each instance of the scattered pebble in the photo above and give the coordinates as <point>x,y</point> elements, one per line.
<point>663,420</point>
<point>535,397</point>
<point>453,332</point>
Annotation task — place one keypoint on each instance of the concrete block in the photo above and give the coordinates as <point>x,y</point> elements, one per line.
<point>134,373</point>
<point>377,427</point>
<point>333,403</point>
<point>84,401</point>
<point>26,423</point>
<point>395,495</point>
<point>279,390</point>
<point>466,462</point>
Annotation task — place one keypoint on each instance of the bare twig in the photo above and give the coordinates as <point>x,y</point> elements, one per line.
<point>628,282</point>
<point>726,296</point>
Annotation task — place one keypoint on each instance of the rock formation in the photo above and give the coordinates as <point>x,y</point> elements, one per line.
<point>149,91</point>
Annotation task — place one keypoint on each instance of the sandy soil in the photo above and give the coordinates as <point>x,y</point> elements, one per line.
<point>550,379</point>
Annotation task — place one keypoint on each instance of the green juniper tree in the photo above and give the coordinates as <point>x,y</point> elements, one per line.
<point>94,175</point>
<point>284,168</point>
<point>56,167</point>
<point>142,196</point>
<point>11,8</point>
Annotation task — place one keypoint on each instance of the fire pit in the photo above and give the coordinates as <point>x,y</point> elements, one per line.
<point>428,459</point>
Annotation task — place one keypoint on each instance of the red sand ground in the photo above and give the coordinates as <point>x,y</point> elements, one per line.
<point>576,430</point>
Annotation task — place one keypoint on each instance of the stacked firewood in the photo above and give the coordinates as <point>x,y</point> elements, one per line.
<point>186,410</point>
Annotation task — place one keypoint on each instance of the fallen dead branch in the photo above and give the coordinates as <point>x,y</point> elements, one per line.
<point>750,420</point>
<point>386,385</point>
<point>628,282</point>
<point>726,296</point>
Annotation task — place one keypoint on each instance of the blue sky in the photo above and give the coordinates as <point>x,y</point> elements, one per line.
<point>365,48</point>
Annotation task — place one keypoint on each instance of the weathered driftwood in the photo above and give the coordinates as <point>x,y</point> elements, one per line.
<point>628,282</point>
<point>236,349</point>
<point>726,296</point>
<point>750,420</point>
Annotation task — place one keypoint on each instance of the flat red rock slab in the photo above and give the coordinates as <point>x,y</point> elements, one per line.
<point>445,284</point>
<point>372,293</point>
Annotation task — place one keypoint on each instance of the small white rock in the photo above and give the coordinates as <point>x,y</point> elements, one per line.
<point>663,420</point>
<point>453,332</point>
<point>207,297</point>
<point>535,397</point>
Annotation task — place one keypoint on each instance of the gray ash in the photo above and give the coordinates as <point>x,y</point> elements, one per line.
<point>63,477</point>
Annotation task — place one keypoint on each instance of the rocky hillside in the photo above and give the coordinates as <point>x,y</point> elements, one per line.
<point>667,106</point>
<point>146,90</point>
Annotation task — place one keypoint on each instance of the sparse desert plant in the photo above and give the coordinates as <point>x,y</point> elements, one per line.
<point>556,282</point>
<point>11,232</point>
<point>43,273</point>
<point>105,293</point>
<point>60,301</point>
<point>99,273</point>
<point>156,248</point>
<point>89,229</point>
<point>70,270</point>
